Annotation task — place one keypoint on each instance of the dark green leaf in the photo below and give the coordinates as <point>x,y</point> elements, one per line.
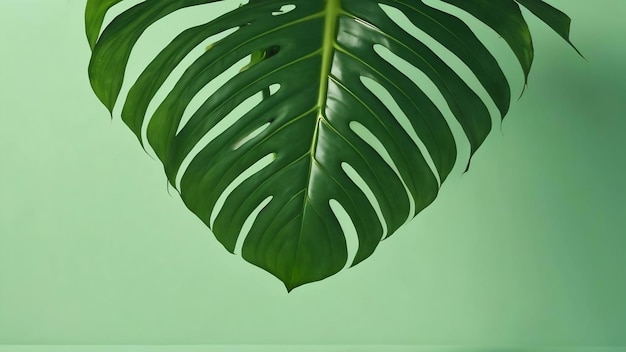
<point>324,136</point>
<point>554,18</point>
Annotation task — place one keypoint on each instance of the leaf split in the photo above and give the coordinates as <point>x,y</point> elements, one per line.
<point>322,121</point>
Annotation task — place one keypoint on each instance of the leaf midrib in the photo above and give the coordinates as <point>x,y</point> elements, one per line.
<point>331,13</point>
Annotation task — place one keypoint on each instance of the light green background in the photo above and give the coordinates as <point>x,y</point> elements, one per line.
<point>527,248</point>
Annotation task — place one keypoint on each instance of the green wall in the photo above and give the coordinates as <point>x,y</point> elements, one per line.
<point>527,248</point>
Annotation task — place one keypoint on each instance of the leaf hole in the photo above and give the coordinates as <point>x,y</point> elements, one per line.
<point>250,136</point>
<point>273,89</point>
<point>367,136</point>
<point>421,80</point>
<point>153,40</point>
<point>348,229</point>
<point>284,9</point>
<point>208,90</point>
<point>491,40</point>
<point>218,129</point>
<point>390,103</point>
<point>360,182</point>
<point>247,225</point>
<point>455,63</point>
<point>249,172</point>
<point>177,73</point>
<point>117,10</point>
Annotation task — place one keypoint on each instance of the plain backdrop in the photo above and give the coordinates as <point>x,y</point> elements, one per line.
<point>527,248</point>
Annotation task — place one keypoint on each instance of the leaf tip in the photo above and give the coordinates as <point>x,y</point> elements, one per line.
<point>290,285</point>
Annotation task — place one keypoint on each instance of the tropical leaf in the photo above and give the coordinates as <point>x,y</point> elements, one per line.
<point>324,140</point>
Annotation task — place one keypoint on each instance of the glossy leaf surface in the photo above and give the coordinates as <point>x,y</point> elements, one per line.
<point>323,137</point>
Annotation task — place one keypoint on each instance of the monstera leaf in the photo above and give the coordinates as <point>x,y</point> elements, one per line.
<point>320,141</point>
